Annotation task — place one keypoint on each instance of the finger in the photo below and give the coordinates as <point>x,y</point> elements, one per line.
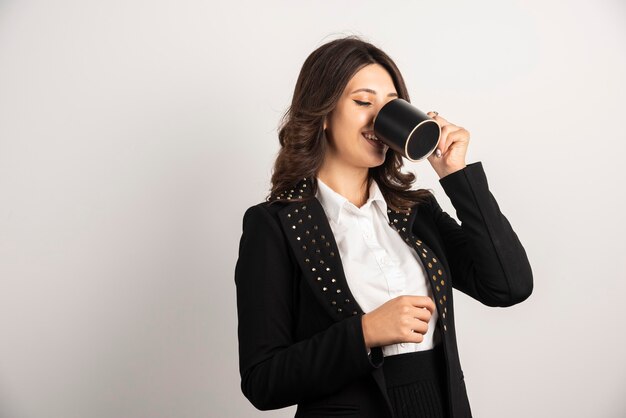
<point>446,137</point>
<point>457,136</point>
<point>414,336</point>
<point>423,314</point>
<point>435,114</point>
<point>437,153</point>
<point>441,121</point>
<point>423,302</point>
<point>417,325</point>
<point>430,305</point>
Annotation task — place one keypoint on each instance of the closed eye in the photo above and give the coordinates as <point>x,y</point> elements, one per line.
<point>360,103</point>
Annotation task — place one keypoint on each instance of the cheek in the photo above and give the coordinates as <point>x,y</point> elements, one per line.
<point>351,123</point>
<point>347,126</point>
<point>362,120</point>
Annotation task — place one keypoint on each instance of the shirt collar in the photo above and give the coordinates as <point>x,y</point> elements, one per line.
<point>333,202</point>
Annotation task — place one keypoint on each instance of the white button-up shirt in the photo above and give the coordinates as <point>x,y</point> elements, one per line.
<point>378,264</point>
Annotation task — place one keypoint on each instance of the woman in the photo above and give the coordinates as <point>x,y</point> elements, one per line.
<point>345,275</point>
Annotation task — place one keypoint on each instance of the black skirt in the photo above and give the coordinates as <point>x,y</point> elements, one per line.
<point>416,383</point>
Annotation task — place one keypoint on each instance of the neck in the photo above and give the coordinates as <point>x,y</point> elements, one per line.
<point>350,182</point>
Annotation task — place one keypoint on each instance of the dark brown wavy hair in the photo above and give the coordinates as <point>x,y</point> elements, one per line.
<point>322,80</point>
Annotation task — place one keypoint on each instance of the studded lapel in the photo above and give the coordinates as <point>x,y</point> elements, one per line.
<point>313,243</point>
<point>435,271</point>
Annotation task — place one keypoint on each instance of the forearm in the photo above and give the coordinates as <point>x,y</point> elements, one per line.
<point>308,369</point>
<point>277,371</point>
<point>489,262</point>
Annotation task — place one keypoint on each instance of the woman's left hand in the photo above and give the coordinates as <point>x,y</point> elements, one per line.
<point>452,146</point>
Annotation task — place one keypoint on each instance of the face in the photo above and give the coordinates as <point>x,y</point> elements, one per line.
<point>354,115</point>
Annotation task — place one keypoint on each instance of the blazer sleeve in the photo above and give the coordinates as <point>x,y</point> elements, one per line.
<point>486,258</point>
<point>277,371</point>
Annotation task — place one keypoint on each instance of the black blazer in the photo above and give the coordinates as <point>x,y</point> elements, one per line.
<point>299,327</point>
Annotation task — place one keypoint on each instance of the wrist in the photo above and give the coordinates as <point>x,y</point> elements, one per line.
<point>451,170</point>
<point>364,325</point>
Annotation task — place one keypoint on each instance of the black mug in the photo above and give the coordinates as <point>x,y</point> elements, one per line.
<point>407,130</point>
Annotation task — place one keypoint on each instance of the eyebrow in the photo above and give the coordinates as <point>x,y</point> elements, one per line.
<point>374,92</point>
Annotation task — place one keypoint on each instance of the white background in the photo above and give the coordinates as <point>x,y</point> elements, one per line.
<point>134,134</point>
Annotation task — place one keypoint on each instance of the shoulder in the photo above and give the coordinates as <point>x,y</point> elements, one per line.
<point>273,208</point>
<point>262,221</point>
<point>262,229</point>
<point>267,210</point>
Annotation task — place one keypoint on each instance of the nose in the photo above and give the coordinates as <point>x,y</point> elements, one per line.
<point>378,107</point>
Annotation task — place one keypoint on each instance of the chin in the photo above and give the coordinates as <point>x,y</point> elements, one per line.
<point>375,162</point>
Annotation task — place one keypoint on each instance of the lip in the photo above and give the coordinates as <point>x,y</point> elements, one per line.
<point>376,144</point>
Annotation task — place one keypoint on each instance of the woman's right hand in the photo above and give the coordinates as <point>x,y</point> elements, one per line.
<point>399,320</point>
